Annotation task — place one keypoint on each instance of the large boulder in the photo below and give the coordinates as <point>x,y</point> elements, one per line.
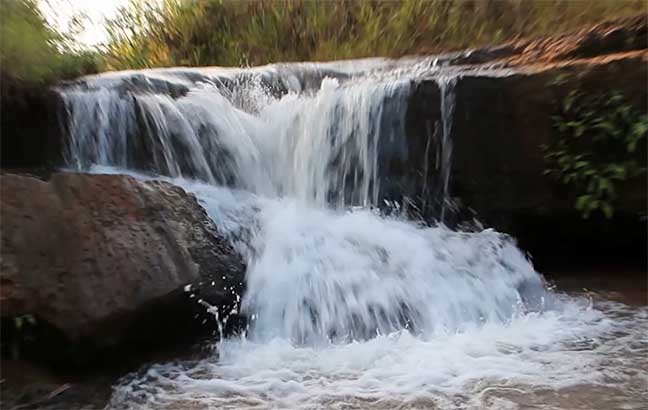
<point>103,261</point>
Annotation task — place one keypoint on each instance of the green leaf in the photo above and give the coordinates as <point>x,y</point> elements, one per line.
<point>559,79</point>
<point>582,202</point>
<point>603,185</point>
<point>18,322</point>
<point>569,100</point>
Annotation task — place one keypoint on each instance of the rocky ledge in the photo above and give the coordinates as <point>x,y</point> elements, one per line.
<point>499,126</point>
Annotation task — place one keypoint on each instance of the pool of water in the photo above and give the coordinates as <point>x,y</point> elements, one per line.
<point>590,354</point>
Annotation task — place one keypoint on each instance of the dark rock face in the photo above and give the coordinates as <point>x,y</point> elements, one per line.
<point>103,260</point>
<point>498,127</point>
<point>30,134</point>
<point>409,168</point>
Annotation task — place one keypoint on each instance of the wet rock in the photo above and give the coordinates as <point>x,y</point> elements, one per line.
<point>499,128</point>
<point>102,262</point>
<point>30,135</point>
<point>499,125</point>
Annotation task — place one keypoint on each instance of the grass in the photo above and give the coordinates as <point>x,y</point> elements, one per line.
<point>237,32</point>
<point>31,52</point>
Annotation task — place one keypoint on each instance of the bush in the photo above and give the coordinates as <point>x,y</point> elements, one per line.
<point>600,144</point>
<point>33,53</point>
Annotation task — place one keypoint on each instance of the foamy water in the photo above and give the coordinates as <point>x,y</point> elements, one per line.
<point>347,308</point>
<point>581,357</point>
<point>503,350</point>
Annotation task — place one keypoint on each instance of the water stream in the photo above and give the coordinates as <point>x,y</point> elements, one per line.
<point>348,308</point>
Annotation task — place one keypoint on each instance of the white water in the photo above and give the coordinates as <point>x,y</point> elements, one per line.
<point>271,151</point>
<point>536,361</point>
<point>348,308</point>
<point>447,88</point>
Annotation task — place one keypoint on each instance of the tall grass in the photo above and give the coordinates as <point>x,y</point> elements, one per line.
<point>32,52</point>
<point>234,32</point>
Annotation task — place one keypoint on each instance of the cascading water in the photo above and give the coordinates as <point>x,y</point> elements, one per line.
<point>447,88</point>
<point>347,308</point>
<point>319,147</point>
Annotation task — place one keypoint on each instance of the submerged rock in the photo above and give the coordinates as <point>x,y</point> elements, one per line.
<point>104,261</point>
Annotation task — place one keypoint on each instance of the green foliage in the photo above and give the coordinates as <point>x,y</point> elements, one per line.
<point>597,147</point>
<point>235,32</point>
<point>32,52</point>
<point>23,326</point>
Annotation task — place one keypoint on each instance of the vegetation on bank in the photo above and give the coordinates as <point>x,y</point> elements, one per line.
<point>32,53</point>
<point>234,32</point>
<point>600,145</point>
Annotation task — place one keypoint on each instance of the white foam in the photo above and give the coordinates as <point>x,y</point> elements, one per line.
<point>537,354</point>
<point>500,351</point>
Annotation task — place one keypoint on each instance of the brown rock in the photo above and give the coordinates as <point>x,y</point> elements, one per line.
<point>104,258</point>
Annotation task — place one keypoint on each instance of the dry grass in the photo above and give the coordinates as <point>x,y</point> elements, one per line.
<point>235,32</point>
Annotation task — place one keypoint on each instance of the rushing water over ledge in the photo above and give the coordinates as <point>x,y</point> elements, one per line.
<point>483,337</point>
<point>348,308</point>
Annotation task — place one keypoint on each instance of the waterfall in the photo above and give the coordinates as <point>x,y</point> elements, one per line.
<point>354,275</point>
<point>321,146</point>
<point>347,307</point>
<point>447,91</point>
<point>310,155</point>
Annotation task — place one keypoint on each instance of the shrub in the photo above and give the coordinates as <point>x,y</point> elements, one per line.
<point>32,52</point>
<point>600,139</point>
